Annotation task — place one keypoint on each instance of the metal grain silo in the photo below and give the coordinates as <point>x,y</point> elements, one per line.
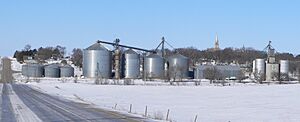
<point>66,71</point>
<point>284,66</point>
<point>24,70</point>
<point>154,66</point>
<point>97,61</point>
<point>33,70</point>
<point>52,71</point>
<point>199,71</point>
<point>131,64</point>
<point>253,66</point>
<point>178,66</point>
<point>260,66</point>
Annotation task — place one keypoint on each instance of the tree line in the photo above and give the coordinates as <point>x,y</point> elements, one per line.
<point>40,54</point>
<point>228,55</point>
<point>236,55</point>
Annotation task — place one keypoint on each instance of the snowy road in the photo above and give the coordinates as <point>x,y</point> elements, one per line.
<point>22,103</point>
<point>7,114</point>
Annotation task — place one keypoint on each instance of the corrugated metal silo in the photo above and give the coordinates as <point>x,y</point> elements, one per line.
<point>97,61</point>
<point>24,69</point>
<point>66,71</point>
<point>260,66</point>
<point>253,66</point>
<point>33,70</point>
<point>154,66</point>
<point>272,72</point>
<point>131,64</point>
<point>284,66</point>
<point>52,71</point>
<point>178,66</point>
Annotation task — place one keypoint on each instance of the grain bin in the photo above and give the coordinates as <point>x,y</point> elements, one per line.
<point>52,71</point>
<point>284,66</point>
<point>33,70</point>
<point>24,70</point>
<point>97,61</point>
<point>178,66</point>
<point>66,71</point>
<point>253,66</point>
<point>154,66</point>
<point>260,66</point>
<point>131,64</point>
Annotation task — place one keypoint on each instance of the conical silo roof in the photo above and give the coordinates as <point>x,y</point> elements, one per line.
<point>97,46</point>
<point>130,51</point>
<point>153,56</point>
<point>178,56</point>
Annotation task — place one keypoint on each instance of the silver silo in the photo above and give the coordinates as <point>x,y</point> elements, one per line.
<point>260,66</point>
<point>178,66</point>
<point>284,66</point>
<point>253,66</point>
<point>24,69</point>
<point>131,64</point>
<point>97,61</point>
<point>154,66</point>
<point>66,71</point>
<point>33,70</point>
<point>52,71</point>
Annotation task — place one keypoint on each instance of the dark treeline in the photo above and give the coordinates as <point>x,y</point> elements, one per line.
<point>237,55</point>
<point>41,54</point>
<point>229,55</point>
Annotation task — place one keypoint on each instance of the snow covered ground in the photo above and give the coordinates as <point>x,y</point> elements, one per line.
<point>236,103</point>
<point>15,65</point>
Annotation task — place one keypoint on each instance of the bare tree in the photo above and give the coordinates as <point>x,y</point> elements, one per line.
<point>284,77</point>
<point>275,76</point>
<point>280,77</point>
<point>77,57</point>
<point>75,79</point>
<point>212,74</point>
<point>61,50</point>
<point>259,76</point>
<point>173,72</point>
<point>240,76</point>
<point>27,47</point>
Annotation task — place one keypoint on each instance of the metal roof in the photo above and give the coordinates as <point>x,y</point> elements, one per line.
<point>96,46</point>
<point>177,56</point>
<point>153,56</point>
<point>130,51</point>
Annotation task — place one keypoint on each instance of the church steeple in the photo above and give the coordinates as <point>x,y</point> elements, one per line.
<point>217,47</point>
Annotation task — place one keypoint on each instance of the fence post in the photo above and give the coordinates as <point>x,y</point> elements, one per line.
<point>146,111</point>
<point>196,118</point>
<point>116,106</point>
<point>168,114</point>
<point>130,108</point>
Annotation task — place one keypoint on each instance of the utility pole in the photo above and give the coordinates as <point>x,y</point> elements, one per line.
<point>163,47</point>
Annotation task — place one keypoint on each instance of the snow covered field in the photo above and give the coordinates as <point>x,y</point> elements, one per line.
<point>266,103</point>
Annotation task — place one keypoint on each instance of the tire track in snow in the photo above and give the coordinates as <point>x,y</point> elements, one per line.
<point>21,111</point>
<point>7,114</point>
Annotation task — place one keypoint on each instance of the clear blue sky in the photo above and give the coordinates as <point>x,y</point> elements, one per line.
<point>142,23</point>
